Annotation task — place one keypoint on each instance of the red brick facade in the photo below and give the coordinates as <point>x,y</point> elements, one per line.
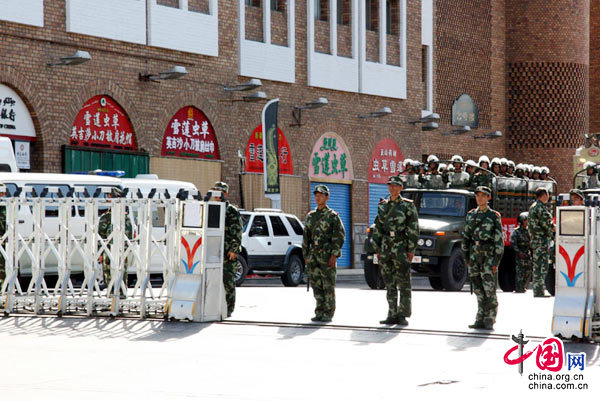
<point>548,54</point>
<point>493,50</point>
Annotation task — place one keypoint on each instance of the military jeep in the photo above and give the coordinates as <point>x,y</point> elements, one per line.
<point>442,215</point>
<point>438,256</point>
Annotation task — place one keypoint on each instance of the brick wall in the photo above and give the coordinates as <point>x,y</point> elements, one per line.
<point>548,51</point>
<point>469,45</point>
<point>55,95</point>
<point>372,38</point>
<point>168,3</point>
<point>254,23</point>
<point>322,36</point>
<point>200,6</point>
<point>594,66</point>
<point>279,27</point>
<point>344,40</point>
<point>392,51</point>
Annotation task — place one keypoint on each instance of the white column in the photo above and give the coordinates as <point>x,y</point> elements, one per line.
<point>266,4</point>
<point>333,27</point>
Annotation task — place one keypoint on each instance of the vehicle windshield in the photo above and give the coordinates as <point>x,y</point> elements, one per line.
<point>442,204</point>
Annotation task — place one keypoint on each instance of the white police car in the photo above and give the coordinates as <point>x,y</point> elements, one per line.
<point>271,245</point>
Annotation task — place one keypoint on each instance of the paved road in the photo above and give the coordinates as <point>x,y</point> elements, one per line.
<point>73,358</point>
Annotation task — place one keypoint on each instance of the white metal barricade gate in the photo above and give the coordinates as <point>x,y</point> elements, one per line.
<point>576,311</point>
<point>54,236</point>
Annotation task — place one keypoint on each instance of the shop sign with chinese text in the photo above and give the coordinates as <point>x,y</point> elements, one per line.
<point>330,159</point>
<point>15,121</point>
<point>102,123</point>
<point>254,153</point>
<point>22,154</point>
<point>190,134</point>
<point>386,160</point>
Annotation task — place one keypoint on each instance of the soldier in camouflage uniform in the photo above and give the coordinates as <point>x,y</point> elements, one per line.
<point>482,178</point>
<point>104,230</point>
<point>232,245</point>
<point>324,236</point>
<point>591,171</point>
<point>394,239</point>
<point>521,243</point>
<point>482,248</point>
<point>541,230</point>
<point>577,197</point>
<point>459,179</point>
<point>410,173</point>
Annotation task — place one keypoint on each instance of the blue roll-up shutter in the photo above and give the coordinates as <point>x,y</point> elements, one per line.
<point>376,192</point>
<point>339,200</point>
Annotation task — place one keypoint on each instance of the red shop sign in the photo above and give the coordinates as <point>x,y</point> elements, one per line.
<point>386,160</point>
<point>254,153</point>
<point>101,122</point>
<point>190,134</point>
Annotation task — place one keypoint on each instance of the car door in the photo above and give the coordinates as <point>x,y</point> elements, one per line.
<point>259,242</point>
<point>281,239</point>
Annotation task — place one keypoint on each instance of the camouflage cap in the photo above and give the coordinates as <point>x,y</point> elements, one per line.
<point>577,192</point>
<point>483,189</point>
<point>395,180</point>
<point>221,186</point>
<point>323,189</point>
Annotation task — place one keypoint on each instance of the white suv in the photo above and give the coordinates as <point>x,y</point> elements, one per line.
<point>271,244</point>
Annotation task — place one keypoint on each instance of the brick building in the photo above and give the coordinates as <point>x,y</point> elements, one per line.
<point>525,64</point>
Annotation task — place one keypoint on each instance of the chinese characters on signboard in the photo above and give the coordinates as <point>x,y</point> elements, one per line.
<point>7,113</point>
<point>330,159</point>
<point>22,154</point>
<point>101,122</point>
<point>254,153</point>
<point>190,134</point>
<point>15,120</point>
<point>386,160</point>
<point>464,112</point>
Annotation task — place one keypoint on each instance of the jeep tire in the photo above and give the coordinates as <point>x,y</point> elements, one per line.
<point>373,276</point>
<point>436,283</point>
<point>241,270</point>
<point>453,271</point>
<point>550,281</point>
<point>294,272</point>
<point>507,273</point>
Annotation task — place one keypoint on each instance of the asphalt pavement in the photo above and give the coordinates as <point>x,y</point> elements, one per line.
<point>269,350</point>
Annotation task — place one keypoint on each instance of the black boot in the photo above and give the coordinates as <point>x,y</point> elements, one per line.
<point>389,320</point>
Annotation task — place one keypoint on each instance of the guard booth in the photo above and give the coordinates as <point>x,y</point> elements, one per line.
<point>576,308</point>
<point>198,293</point>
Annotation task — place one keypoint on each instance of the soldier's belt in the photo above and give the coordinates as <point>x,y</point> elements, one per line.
<point>393,234</point>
